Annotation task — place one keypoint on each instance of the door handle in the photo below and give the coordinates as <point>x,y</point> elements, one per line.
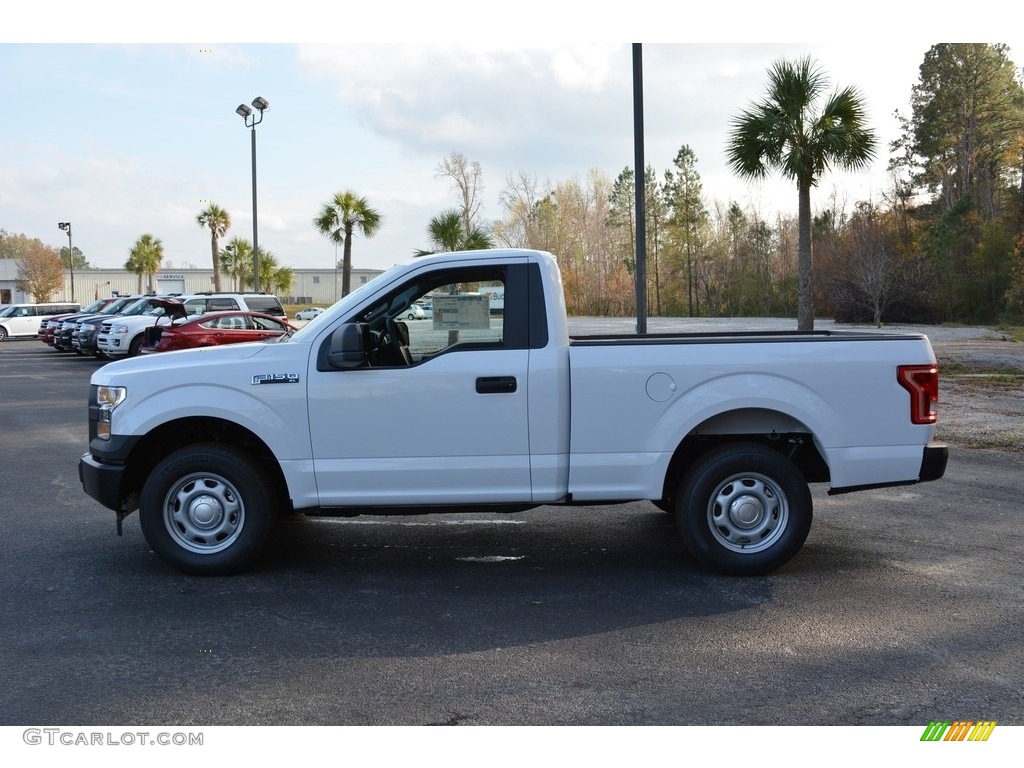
<point>496,385</point>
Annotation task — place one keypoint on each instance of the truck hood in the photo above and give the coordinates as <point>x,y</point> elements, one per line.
<point>185,363</point>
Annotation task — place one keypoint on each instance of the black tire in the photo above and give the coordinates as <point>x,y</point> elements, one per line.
<point>136,345</point>
<point>3,333</point>
<point>743,510</point>
<point>207,509</point>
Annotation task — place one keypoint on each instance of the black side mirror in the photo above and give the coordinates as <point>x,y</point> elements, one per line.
<point>347,347</point>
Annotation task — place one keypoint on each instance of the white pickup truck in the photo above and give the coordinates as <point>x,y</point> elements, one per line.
<point>362,413</point>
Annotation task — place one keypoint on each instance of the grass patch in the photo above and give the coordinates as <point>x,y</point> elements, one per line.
<point>1012,332</point>
<point>950,367</point>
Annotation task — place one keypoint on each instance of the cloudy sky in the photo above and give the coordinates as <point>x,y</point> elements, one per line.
<point>125,125</point>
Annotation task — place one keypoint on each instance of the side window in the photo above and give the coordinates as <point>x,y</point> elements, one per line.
<point>267,304</point>
<point>441,312</point>
<point>464,315</point>
<point>449,311</point>
<point>265,324</point>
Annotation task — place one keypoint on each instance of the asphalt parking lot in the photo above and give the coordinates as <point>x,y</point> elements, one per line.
<point>905,606</point>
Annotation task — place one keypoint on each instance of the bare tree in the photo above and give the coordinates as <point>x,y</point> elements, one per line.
<point>872,266</point>
<point>518,199</point>
<point>467,181</point>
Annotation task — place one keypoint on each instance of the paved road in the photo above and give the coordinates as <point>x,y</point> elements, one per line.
<point>905,606</point>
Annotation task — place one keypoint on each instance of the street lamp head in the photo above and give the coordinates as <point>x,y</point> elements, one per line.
<point>243,110</point>
<point>260,103</point>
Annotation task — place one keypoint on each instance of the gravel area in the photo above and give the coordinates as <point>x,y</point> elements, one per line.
<point>981,393</point>
<point>981,389</point>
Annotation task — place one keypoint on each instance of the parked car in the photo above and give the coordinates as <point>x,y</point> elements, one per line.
<point>83,335</point>
<point>199,303</point>
<point>427,308</point>
<point>26,319</point>
<point>210,330</point>
<point>414,312</point>
<point>48,326</point>
<point>63,334</point>
<point>308,313</point>
<point>124,337</point>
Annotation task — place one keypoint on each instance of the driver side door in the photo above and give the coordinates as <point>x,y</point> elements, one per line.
<point>449,428</point>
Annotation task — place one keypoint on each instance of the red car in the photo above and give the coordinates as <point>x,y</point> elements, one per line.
<point>210,329</point>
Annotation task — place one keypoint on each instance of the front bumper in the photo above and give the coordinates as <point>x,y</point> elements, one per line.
<point>110,345</point>
<point>87,344</point>
<point>104,482</point>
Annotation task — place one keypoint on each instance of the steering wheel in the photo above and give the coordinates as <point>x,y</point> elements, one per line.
<point>398,351</point>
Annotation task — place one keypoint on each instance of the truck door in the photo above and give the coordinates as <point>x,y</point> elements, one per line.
<point>437,411</point>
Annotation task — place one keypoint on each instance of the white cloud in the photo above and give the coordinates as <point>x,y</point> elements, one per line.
<point>127,141</point>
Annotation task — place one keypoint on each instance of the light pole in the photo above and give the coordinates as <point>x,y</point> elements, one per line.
<point>251,121</point>
<point>66,226</point>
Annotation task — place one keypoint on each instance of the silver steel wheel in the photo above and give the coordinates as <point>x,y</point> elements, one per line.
<point>748,512</point>
<point>203,513</point>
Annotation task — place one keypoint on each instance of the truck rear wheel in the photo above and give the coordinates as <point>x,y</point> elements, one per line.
<point>207,509</point>
<point>743,510</point>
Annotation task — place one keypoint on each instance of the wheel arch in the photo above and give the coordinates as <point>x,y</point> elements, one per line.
<point>773,429</point>
<point>180,433</point>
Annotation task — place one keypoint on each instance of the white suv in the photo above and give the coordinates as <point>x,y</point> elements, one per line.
<point>201,303</point>
<point>123,336</point>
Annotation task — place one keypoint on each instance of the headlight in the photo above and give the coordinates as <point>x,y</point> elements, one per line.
<point>107,398</point>
<point>119,329</point>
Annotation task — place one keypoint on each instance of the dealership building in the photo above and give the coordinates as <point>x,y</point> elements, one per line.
<point>310,286</point>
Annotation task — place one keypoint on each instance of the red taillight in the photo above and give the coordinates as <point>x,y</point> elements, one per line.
<point>922,382</point>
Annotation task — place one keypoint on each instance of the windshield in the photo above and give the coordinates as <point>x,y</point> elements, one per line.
<point>115,307</point>
<point>6,311</point>
<point>352,298</point>
<point>140,306</point>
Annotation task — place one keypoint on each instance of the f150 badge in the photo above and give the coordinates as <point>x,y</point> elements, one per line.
<point>275,378</point>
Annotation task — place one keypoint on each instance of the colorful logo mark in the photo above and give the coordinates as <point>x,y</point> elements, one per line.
<point>958,730</point>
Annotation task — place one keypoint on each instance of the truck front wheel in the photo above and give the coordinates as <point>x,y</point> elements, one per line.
<point>743,510</point>
<point>207,509</point>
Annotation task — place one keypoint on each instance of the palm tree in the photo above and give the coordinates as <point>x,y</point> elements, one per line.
<point>276,278</point>
<point>785,133</point>
<point>448,233</point>
<point>236,261</point>
<point>144,258</point>
<point>339,218</point>
<point>219,221</point>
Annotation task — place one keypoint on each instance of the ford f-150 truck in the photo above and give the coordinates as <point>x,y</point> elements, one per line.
<point>360,412</point>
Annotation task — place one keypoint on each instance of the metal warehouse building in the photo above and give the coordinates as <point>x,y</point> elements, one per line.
<point>310,286</point>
